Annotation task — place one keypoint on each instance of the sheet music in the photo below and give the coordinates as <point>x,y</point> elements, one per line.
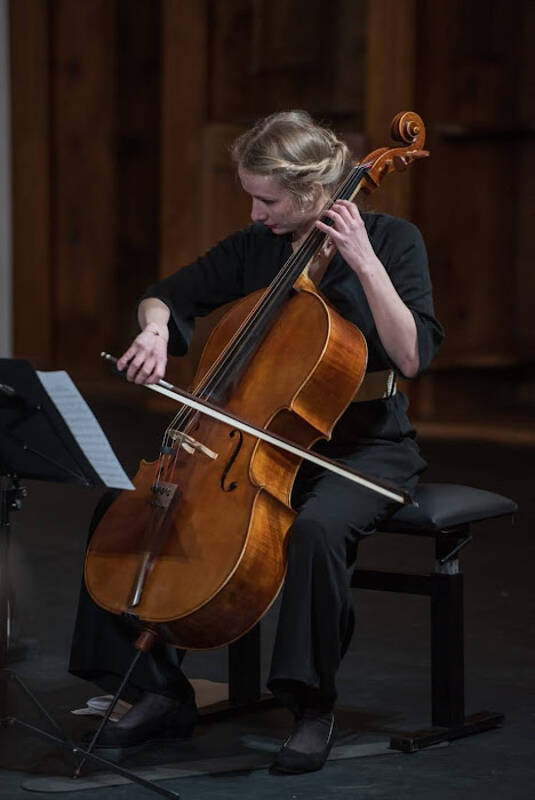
<point>84,427</point>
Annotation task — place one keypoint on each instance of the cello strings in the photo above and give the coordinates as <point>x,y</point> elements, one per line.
<point>282,282</point>
<point>267,303</point>
<point>295,264</point>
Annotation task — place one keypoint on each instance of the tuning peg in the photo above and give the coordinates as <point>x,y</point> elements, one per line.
<point>400,163</point>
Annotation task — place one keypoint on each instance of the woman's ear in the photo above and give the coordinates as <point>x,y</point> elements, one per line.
<point>318,195</point>
<point>313,198</point>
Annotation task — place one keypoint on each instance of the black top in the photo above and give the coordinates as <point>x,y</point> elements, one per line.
<point>250,258</point>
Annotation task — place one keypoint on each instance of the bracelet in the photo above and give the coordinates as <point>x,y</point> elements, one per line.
<point>156,333</point>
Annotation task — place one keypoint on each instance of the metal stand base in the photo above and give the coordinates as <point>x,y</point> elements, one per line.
<point>410,742</point>
<point>67,744</point>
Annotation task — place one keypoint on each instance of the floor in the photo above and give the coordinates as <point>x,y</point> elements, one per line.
<point>384,680</point>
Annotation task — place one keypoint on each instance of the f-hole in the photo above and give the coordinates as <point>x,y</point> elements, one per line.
<point>233,485</point>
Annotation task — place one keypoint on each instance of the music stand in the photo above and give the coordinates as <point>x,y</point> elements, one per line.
<point>37,443</point>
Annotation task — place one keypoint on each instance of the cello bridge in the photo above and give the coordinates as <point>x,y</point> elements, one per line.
<point>189,444</point>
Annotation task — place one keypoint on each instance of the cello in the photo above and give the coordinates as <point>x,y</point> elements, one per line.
<point>196,554</point>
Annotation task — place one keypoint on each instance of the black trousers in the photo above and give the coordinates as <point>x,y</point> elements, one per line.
<point>316,617</point>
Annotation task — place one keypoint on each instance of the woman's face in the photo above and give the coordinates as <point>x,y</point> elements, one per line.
<point>275,206</point>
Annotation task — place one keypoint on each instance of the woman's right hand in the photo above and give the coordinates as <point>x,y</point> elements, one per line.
<point>146,358</point>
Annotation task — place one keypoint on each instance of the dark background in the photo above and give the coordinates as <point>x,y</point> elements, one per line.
<point>122,112</point>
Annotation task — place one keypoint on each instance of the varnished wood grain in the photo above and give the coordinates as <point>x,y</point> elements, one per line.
<point>220,561</point>
<point>31,208</point>
<point>524,319</point>
<point>85,191</point>
<point>390,88</point>
<point>184,48</point>
<point>466,200</point>
<point>138,134</point>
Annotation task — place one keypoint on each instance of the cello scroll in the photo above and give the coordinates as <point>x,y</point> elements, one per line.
<point>407,126</point>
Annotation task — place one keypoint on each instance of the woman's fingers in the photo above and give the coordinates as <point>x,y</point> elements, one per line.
<point>348,233</point>
<point>339,218</point>
<point>125,358</point>
<point>345,216</point>
<point>145,360</point>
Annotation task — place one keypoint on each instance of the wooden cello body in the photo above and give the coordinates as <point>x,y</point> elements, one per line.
<point>223,561</point>
<point>197,552</point>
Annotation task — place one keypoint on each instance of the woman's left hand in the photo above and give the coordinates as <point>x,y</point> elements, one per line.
<point>349,234</point>
<point>394,321</point>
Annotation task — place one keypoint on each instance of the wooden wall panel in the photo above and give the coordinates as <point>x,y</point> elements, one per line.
<point>30,115</point>
<point>271,55</point>
<point>251,57</point>
<point>226,207</point>
<point>348,63</point>
<point>258,50</point>
<point>85,188</point>
<point>470,241</point>
<point>183,112</point>
<point>227,60</point>
<point>137,163</point>
<point>390,80</point>
<point>523,322</point>
<point>465,200</point>
<point>477,44</point>
<point>291,46</point>
<point>86,156</point>
<point>123,111</point>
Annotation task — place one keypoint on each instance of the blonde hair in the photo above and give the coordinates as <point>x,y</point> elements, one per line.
<point>295,149</point>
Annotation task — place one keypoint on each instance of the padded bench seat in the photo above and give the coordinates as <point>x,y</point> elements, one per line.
<point>442,506</point>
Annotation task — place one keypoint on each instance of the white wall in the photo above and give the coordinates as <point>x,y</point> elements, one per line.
<point>5,188</point>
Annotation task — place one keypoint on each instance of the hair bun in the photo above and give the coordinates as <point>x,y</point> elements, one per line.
<point>290,145</point>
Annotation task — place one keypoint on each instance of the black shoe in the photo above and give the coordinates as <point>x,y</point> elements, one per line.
<point>154,718</point>
<point>307,748</point>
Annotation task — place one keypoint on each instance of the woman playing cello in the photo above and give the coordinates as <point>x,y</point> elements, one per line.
<point>378,279</point>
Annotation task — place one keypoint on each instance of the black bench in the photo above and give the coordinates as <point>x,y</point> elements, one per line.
<point>446,513</point>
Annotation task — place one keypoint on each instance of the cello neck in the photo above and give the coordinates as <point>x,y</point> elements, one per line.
<point>296,264</point>
<point>242,344</point>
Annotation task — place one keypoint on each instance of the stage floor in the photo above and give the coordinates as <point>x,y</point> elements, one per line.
<point>384,680</point>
